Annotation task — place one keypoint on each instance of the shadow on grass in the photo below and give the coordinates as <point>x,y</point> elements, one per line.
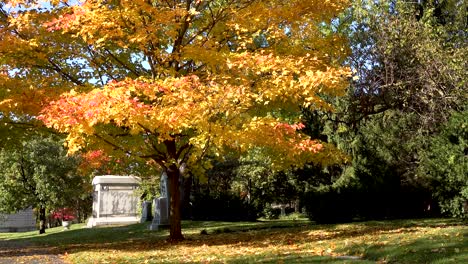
<point>79,234</point>
<point>294,258</point>
<point>56,240</point>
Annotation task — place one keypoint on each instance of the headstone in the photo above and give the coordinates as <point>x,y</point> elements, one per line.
<point>146,212</point>
<point>21,221</point>
<point>164,185</point>
<point>283,210</point>
<point>114,200</point>
<point>161,208</point>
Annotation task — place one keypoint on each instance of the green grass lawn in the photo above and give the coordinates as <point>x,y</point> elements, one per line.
<point>287,241</point>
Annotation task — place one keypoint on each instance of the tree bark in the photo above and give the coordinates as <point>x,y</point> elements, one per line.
<point>42,219</point>
<point>175,230</point>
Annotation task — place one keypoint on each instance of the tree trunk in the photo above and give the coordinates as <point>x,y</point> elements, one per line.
<point>42,219</point>
<point>175,233</point>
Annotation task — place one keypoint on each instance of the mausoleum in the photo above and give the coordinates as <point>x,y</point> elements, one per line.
<point>115,200</point>
<point>22,221</point>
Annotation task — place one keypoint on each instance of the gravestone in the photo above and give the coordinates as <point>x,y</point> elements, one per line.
<point>146,212</point>
<point>114,200</point>
<point>21,221</point>
<point>161,208</point>
<point>283,210</point>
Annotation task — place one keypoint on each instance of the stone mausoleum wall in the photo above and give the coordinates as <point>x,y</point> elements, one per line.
<point>20,222</point>
<point>115,200</point>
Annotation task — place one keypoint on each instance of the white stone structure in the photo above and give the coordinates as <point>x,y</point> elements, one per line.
<point>22,221</point>
<point>161,205</point>
<point>114,200</point>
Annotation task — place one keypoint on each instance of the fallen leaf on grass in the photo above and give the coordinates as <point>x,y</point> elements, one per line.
<point>435,250</point>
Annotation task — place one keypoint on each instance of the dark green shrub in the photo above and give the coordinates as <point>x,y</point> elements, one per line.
<point>329,206</point>
<point>271,213</point>
<point>223,207</point>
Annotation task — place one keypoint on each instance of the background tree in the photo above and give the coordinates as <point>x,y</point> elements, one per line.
<point>445,164</point>
<point>241,188</point>
<point>39,174</point>
<point>410,78</point>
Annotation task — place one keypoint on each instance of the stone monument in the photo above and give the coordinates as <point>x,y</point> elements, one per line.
<point>146,214</point>
<point>162,205</point>
<point>115,201</point>
<point>21,221</point>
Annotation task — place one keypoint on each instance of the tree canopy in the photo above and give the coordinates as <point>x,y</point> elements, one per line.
<point>170,81</point>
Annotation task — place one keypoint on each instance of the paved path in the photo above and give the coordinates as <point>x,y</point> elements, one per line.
<point>25,253</point>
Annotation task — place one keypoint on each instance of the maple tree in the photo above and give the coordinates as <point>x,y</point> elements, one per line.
<point>173,81</point>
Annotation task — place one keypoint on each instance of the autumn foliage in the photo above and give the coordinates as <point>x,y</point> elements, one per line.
<point>173,81</point>
<point>63,214</point>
